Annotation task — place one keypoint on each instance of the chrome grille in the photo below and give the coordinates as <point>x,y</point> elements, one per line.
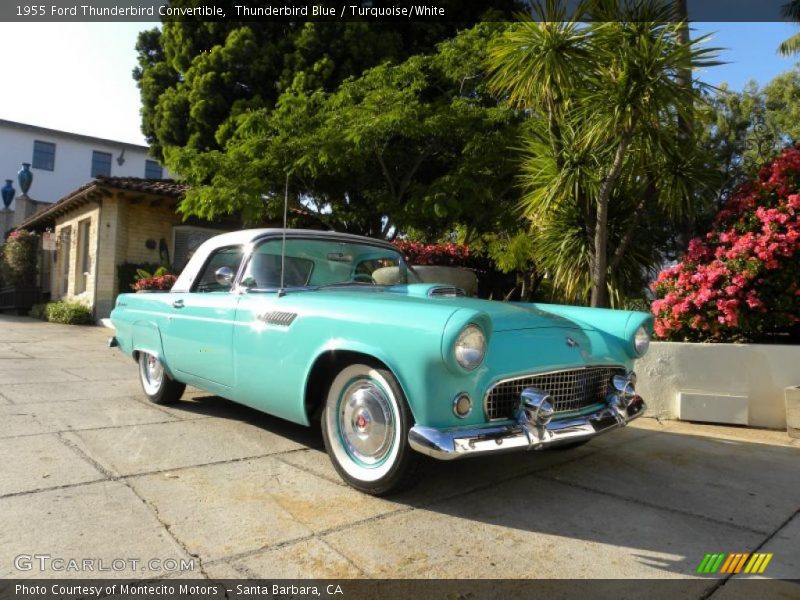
<point>571,389</point>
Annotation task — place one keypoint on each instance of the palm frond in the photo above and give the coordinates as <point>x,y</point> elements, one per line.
<point>791,46</point>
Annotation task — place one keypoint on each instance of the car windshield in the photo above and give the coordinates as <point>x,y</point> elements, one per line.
<point>324,262</point>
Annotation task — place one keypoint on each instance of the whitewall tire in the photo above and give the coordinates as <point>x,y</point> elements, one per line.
<point>365,427</point>
<point>158,386</point>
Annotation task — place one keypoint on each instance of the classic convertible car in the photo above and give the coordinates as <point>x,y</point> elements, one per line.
<point>320,326</point>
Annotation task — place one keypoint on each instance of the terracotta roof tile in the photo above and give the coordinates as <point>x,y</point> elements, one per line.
<point>159,187</point>
<point>165,187</point>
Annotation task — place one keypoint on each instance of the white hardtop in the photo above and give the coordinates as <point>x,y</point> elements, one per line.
<point>246,237</point>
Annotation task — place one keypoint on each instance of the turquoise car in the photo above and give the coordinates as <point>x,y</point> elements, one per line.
<point>333,328</point>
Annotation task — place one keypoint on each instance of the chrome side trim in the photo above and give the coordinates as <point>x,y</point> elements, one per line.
<point>449,444</point>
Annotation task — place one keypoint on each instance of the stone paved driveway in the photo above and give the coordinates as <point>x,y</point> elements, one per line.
<point>91,469</point>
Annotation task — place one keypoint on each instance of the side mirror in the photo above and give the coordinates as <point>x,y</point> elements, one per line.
<point>224,276</point>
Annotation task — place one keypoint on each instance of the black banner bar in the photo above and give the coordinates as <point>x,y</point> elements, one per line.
<point>399,11</point>
<point>391,589</point>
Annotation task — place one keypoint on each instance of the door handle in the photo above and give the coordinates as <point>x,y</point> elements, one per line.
<point>177,304</point>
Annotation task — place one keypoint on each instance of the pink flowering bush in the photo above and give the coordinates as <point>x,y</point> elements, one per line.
<point>446,255</point>
<point>741,282</point>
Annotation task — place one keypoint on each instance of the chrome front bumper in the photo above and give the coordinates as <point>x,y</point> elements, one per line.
<point>449,444</point>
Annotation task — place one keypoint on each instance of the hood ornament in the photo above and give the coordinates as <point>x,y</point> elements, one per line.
<point>571,342</point>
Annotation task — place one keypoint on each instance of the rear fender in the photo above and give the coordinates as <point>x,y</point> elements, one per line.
<point>146,337</point>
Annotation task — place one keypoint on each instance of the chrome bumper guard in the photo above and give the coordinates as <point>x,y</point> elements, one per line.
<point>449,444</point>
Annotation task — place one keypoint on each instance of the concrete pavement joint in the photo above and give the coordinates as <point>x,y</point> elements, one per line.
<point>82,454</point>
<point>108,476</point>
<point>724,580</point>
<point>333,480</point>
<point>361,571</point>
<point>644,503</point>
<point>79,429</point>
<point>53,487</point>
<point>409,508</point>
<point>209,464</point>
<point>153,509</point>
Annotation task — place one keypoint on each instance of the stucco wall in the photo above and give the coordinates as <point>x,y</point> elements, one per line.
<point>144,222</point>
<point>118,233</point>
<point>89,211</point>
<point>723,373</point>
<point>73,161</point>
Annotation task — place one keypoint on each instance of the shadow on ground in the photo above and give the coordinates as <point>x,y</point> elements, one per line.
<point>668,497</point>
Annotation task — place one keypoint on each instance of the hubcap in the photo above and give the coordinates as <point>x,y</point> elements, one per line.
<point>153,374</point>
<point>366,423</point>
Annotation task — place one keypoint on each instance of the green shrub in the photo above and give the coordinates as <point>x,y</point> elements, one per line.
<point>38,311</point>
<point>68,313</point>
<point>20,258</point>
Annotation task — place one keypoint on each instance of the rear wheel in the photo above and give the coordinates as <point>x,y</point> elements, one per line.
<point>365,426</point>
<point>158,386</point>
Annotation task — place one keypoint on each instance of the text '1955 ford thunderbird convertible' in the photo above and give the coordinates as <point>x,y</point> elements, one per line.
<point>321,326</point>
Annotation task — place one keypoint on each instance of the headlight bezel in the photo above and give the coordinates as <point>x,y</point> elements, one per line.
<point>641,341</point>
<point>470,331</point>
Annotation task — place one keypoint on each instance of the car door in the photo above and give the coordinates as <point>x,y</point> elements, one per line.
<point>198,338</point>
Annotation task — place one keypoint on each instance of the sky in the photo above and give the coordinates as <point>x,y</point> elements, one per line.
<point>77,76</point>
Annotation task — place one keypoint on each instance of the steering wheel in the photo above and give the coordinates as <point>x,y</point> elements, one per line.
<point>363,278</point>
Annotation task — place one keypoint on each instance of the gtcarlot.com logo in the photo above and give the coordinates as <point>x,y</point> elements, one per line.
<point>741,562</point>
<point>46,562</point>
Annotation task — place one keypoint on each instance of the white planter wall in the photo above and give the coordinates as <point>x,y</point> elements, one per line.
<point>721,383</point>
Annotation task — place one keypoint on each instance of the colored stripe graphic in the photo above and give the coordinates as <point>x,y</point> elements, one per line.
<point>720,562</point>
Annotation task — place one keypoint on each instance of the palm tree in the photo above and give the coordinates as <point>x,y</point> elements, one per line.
<point>791,10</point>
<point>608,98</point>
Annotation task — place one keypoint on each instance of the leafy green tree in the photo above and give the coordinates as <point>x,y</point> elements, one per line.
<point>419,144</point>
<point>197,77</point>
<point>606,101</point>
<point>743,130</point>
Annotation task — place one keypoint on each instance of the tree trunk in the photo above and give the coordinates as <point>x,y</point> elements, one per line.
<point>627,239</point>
<point>600,255</point>
<point>685,121</point>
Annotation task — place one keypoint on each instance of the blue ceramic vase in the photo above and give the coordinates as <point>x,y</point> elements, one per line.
<point>8,193</point>
<point>25,177</point>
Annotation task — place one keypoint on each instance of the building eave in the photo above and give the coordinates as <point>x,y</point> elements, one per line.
<point>95,190</point>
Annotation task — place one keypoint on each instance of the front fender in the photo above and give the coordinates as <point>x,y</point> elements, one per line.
<point>376,352</point>
<point>620,324</point>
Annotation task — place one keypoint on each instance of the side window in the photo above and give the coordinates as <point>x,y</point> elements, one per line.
<point>44,155</point>
<point>153,170</point>
<point>264,269</point>
<point>101,163</point>
<point>230,257</point>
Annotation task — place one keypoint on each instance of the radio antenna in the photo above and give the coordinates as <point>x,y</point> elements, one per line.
<point>281,291</point>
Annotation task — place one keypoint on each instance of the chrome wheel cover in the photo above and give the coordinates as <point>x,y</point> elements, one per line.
<point>366,422</point>
<point>152,373</point>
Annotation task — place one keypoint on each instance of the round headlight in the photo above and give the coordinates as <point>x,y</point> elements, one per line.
<point>641,341</point>
<point>470,347</point>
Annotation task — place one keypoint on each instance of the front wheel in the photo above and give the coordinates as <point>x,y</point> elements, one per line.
<point>365,427</point>
<point>158,386</point>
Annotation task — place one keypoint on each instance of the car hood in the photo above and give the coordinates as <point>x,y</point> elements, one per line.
<point>505,316</point>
